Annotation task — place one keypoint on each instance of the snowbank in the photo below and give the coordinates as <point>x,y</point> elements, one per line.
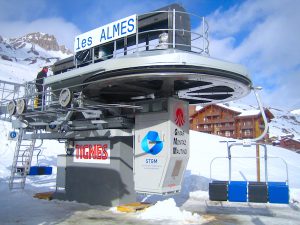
<point>167,210</point>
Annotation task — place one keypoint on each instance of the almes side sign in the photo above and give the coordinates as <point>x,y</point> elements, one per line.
<point>106,33</point>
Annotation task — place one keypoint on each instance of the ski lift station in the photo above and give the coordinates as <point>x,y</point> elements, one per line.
<point>120,105</point>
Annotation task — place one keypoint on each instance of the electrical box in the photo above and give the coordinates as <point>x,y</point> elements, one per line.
<point>161,147</point>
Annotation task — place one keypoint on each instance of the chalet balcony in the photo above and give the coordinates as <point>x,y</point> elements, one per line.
<point>247,136</point>
<point>247,126</point>
<point>215,121</point>
<point>226,121</point>
<point>206,130</point>
<point>214,114</point>
<point>229,128</point>
<point>206,122</point>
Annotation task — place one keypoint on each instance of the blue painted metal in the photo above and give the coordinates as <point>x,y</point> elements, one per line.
<point>237,191</point>
<point>40,170</point>
<point>278,192</point>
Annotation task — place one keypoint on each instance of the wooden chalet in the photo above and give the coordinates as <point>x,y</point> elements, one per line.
<point>227,121</point>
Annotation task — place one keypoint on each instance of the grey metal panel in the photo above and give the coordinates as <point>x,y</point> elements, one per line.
<point>147,58</point>
<point>81,134</point>
<point>164,169</point>
<point>103,184</point>
<point>61,172</point>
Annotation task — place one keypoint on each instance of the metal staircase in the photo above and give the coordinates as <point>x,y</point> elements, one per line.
<point>22,160</point>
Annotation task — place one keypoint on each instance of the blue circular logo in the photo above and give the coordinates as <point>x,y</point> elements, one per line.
<point>152,139</point>
<point>13,134</point>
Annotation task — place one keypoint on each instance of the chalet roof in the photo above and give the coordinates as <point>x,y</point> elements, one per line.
<point>240,112</point>
<point>235,109</point>
<point>254,112</point>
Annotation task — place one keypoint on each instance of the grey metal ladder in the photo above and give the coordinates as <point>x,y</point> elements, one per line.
<point>22,160</point>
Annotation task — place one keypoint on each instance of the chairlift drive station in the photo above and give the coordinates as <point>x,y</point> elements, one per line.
<point>121,106</point>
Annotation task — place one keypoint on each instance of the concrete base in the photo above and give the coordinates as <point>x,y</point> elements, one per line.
<point>99,184</point>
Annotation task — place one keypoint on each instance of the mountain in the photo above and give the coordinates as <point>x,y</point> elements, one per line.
<point>285,123</point>
<point>45,41</point>
<point>21,58</point>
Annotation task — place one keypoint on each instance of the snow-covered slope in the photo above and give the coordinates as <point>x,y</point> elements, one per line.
<point>22,58</point>
<point>285,123</point>
<point>296,112</point>
<point>204,148</point>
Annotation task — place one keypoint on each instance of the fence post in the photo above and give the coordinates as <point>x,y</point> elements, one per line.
<point>174,27</point>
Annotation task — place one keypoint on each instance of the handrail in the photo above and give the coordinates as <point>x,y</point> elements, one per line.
<point>172,30</point>
<point>249,157</point>
<point>262,113</point>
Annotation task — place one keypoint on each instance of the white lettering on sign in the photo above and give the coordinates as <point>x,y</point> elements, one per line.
<point>106,33</point>
<point>92,152</point>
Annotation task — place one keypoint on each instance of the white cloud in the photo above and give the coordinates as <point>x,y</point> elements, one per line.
<point>104,12</point>
<point>21,10</point>
<point>287,94</point>
<point>62,30</point>
<point>264,36</point>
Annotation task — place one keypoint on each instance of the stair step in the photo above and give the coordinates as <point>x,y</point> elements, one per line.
<point>20,168</point>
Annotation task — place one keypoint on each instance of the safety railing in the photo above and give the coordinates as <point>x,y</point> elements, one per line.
<point>250,157</point>
<point>47,101</point>
<point>192,36</point>
<point>8,92</point>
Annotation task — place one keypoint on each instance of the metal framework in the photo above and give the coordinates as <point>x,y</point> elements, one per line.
<point>8,92</point>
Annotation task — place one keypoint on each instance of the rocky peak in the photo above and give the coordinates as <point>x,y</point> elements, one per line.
<point>45,41</point>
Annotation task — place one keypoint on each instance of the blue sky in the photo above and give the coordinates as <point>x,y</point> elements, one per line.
<point>263,35</point>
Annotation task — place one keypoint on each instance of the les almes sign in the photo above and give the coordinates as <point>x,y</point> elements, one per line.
<point>106,33</point>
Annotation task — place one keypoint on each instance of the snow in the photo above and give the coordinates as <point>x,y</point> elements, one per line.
<point>204,148</point>
<point>296,112</point>
<point>249,113</point>
<point>25,64</point>
<point>159,212</point>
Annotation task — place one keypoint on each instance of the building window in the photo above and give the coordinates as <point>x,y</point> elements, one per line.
<point>247,132</point>
<point>227,133</point>
<point>205,126</point>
